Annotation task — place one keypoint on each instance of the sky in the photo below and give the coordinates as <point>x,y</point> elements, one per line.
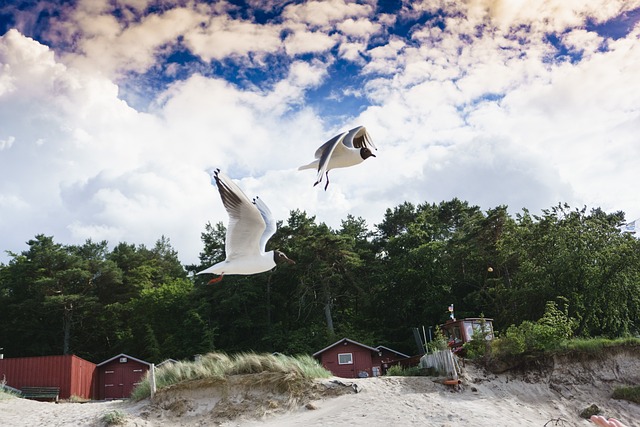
<point>114,113</point>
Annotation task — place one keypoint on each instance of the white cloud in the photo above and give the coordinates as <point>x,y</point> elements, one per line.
<point>361,28</point>
<point>224,37</point>
<point>6,143</point>
<point>308,42</point>
<point>325,13</point>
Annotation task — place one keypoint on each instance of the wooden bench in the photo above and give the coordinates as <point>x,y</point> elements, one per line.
<point>41,393</point>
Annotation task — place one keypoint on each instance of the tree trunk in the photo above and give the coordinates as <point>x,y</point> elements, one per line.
<point>327,309</point>
<point>66,326</point>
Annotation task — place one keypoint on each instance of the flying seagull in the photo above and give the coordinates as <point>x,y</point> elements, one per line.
<point>343,150</point>
<point>251,225</point>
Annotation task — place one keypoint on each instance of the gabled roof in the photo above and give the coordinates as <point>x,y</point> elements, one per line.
<point>380,347</point>
<point>123,355</point>
<point>340,342</point>
<point>166,361</point>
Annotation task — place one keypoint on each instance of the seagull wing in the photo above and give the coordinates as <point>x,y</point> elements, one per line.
<point>358,137</point>
<point>246,224</point>
<point>325,152</point>
<point>269,221</point>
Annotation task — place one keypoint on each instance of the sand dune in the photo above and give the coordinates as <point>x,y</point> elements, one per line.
<point>547,393</point>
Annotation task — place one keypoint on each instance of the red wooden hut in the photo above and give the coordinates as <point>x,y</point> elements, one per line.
<point>387,357</point>
<point>350,359</point>
<point>119,375</point>
<point>72,374</point>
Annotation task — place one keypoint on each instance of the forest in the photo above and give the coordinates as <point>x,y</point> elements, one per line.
<point>370,284</point>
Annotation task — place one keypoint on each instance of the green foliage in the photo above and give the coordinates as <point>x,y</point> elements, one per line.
<point>480,344</point>
<point>221,365</point>
<point>113,418</point>
<point>438,343</point>
<point>590,411</point>
<point>6,393</point>
<point>399,371</point>
<point>594,345</point>
<point>632,393</point>
<point>552,330</point>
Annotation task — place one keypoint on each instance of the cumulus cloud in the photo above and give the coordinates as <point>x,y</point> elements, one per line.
<point>325,13</point>
<point>224,37</point>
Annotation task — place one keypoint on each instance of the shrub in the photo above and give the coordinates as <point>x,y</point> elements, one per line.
<point>113,418</point>
<point>550,332</point>
<point>632,394</point>
<point>479,346</point>
<point>399,371</point>
<point>439,342</point>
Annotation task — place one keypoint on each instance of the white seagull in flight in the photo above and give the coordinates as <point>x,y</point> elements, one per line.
<point>341,151</point>
<point>251,225</point>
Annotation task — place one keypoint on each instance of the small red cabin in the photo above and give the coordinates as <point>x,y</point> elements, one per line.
<point>119,375</point>
<point>72,374</point>
<point>350,359</point>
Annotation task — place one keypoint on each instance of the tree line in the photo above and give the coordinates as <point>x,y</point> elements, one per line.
<point>370,284</point>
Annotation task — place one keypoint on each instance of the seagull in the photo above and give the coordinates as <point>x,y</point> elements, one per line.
<point>251,225</point>
<point>343,150</point>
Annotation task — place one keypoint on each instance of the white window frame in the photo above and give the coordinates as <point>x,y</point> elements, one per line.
<point>350,362</point>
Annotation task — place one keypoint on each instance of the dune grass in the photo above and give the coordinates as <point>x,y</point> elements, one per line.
<point>6,395</point>
<point>113,418</point>
<point>399,371</point>
<point>221,365</point>
<point>632,394</point>
<point>595,345</point>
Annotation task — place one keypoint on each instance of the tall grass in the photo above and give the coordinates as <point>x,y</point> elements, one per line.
<point>6,395</point>
<point>220,365</point>
<point>632,394</point>
<point>594,345</point>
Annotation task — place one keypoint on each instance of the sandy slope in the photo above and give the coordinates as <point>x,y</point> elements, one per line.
<point>556,390</point>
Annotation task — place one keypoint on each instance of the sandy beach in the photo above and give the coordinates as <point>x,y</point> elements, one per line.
<point>547,396</point>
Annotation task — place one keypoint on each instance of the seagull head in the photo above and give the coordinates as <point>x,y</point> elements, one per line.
<point>365,152</point>
<point>280,257</point>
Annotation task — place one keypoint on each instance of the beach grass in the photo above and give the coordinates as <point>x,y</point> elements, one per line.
<point>399,371</point>
<point>632,394</point>
<point>595,345</point>
<point>6,395</point>
<point>113,418</point>
<point>221,365</point>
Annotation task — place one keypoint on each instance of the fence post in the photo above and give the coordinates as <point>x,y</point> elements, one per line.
<point>152,380</point>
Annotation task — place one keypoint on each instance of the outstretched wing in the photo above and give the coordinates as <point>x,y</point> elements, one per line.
<point>246,223</point>
<point>325,152</point>
<point>269,221</point>
<point>358,137</point>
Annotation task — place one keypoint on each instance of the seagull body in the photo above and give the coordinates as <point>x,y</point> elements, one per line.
<point>251,225</point>
<point>342,151</point>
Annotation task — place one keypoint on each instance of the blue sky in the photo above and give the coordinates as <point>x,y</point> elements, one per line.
<point>113,112</point>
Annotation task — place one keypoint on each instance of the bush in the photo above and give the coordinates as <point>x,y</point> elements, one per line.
<point>399,371</point>
<point>550,332</point>
<point>113,418</point>
<point>632,394</point>
<point>479,346</point>
<point>438,343</point>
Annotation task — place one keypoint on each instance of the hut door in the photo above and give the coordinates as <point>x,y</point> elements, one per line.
<point>114,382</point>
